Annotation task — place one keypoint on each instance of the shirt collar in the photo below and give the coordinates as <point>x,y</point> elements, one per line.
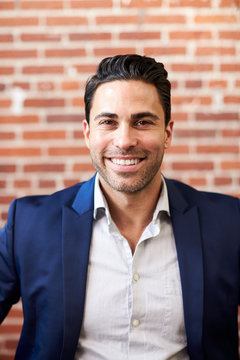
<point>101,206</point>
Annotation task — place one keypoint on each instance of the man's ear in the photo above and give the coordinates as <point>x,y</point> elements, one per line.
<point>86,131</point>
<point>168,134</point>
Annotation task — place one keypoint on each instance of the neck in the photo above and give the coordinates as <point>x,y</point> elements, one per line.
<point>132,212</point>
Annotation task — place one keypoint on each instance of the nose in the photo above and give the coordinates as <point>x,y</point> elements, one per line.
<point>125,137</point>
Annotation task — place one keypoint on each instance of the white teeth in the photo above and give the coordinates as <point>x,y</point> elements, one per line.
<point>125,162</point>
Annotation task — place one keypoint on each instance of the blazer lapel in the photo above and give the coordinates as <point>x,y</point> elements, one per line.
<point>77,230</point>
<point>187,232</point>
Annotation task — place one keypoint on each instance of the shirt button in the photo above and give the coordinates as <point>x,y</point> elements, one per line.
<point>136,323</point>
<point>135,277</point>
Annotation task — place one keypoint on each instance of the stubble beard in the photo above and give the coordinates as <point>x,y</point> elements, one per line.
<point>128,186</point>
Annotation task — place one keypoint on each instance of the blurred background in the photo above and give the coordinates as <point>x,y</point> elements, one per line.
<point>49,48</point>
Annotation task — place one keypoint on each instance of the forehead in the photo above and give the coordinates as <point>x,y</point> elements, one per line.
<point>123,93</point>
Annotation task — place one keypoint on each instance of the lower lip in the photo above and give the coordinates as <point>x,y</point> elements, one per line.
<point>124,168</point>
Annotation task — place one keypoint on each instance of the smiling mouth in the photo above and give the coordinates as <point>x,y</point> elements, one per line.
<point>125,162</point>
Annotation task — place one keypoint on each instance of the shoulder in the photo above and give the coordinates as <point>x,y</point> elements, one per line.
<point>201,198</point>
<point>35,206</point>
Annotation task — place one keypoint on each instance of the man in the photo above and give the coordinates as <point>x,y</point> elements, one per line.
<point>128,265</point>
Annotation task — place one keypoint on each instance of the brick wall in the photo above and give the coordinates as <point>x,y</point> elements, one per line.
<point>49,48</point>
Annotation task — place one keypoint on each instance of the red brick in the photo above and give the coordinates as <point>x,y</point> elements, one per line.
<point>230,165</point>
<point>197,182</point>
<point>5,103</point>
<point>231,133</point>
<point>179,116</point>
<point>65,52</point>
<point>232,99</point>
<point>191,165</point>
<point>203,51</point>
<point>47,184</point>
<point>6,70</point>
<point>6,38</point>
<point>44,102</point>
<point>190,3</point>
<point>230,67</point>
<point>76,4</point>
<point>141,3</point>
<point>237,83</point>
<point>22,184</point>
<point>15,313</point>
<point>44,168</point>
<point>70,182</point>
<point>231,35</point>
<point>206,149</point>
<point>117,19</point>
<point>41,5</point>
<point>2,87</point>
<point>218,83</point>
<point>78,102</point>
<point>70,85</point>
<point>40,37</point>
<point>66,118</point>
<point>83,167</point>
<point>190,35</point>
<point>219,181</point>
<point>217,116</point>
<point>141,35</point>
<point>229,3</point>
<point>193,83</point>
<point>6,200</point>
<point>89,36</point>
<point>67,151</point>
<point>44,135</point>
<point>19,152</point>
<point>165,19</point>
<point>201,100</point>
<point>2,184</point>
<point>7,135</point>
<point>48,69</point>
<point>78,134</point>
<point>215,19</point>
<point>88,68</point>
<point>192,67</point>
<point>19,119</point>
<point>8,5</point>
<point>10,328</point>
<point>22,85</point>
<point>11,344</point>
<point>18,21</point>
<point>178,149</point>
<point>66,21</point>
<point>194,133</point>
<point>150,51</point>
<point>7,168</point>
<point>18,54</point>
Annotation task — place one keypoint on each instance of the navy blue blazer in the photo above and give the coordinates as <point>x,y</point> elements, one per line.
<point>44,250</point>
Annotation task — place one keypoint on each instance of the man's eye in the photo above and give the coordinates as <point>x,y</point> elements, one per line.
<point>143,122</point>
<point>107,122</point>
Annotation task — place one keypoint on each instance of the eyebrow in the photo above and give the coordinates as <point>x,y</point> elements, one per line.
<point>136,116</point>
<point>144,114</point>
<point>106,115</point>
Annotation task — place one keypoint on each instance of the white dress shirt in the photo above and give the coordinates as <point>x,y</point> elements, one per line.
<point>133,306</point>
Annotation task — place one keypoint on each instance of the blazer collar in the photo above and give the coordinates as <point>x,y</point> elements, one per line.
<point>187,232</point>
<point>76,237</point>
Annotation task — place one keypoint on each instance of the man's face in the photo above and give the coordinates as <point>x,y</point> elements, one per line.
<point>127,135</point>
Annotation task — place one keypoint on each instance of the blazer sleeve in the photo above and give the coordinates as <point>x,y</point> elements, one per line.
<point>9,281</point>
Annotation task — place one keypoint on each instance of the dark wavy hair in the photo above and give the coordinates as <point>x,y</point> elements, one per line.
<point>131,67</point>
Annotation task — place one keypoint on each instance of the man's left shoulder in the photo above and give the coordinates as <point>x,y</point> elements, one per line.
<point>199,197</point>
